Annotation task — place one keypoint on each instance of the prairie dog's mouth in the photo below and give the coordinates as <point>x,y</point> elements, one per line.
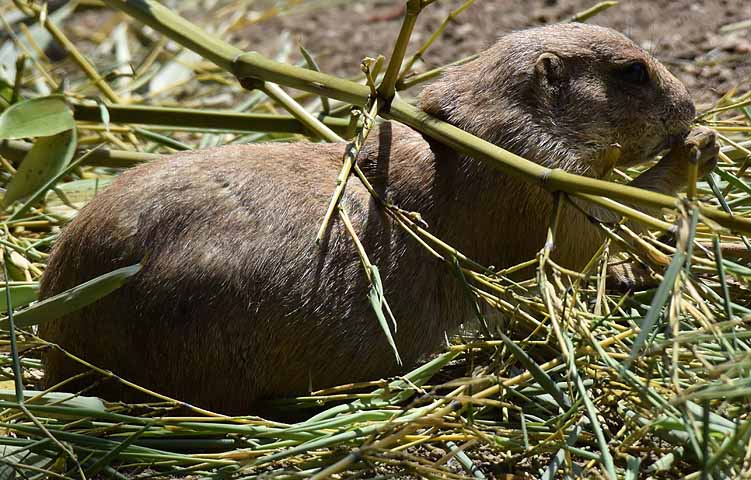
<point>669,142</point>
<point>676,138</point>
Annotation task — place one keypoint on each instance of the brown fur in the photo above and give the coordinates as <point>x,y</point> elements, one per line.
<point>236,303</point>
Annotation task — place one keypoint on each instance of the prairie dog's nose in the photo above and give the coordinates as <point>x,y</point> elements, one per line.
<point>679,114</point>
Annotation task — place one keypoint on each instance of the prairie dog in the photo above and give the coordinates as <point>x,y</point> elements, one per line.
<point>236,303</point>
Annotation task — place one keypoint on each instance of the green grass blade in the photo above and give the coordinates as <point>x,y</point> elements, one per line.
<point>655,309</point>
<point>21,295</point>
<point>539,374</point>
<point>71,300</point>
<point>379,304</point>
<point>606,459</point>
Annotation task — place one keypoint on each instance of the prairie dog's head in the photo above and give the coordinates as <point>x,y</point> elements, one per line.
<point>561,94</point>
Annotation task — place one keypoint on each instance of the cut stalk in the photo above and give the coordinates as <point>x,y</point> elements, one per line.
<point>388,85</point>
<point>350,157</point>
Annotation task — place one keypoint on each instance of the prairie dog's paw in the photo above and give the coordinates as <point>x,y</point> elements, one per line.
<point>700,146</point>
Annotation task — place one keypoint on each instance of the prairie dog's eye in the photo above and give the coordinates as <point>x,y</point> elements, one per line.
<point>635,73</point>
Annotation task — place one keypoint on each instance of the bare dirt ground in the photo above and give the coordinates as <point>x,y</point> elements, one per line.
<point>688,36</point>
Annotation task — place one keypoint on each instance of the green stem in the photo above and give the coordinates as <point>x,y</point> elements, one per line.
<point>186,117</point>
<point>591,12</point>
<point>350,156</point>
<point>305,117</point>
<point>627,211</point>
<point>20,69</point>
<point>16,150</point>
<point>313,65</point>
<point>255,66</point>
<point>388,85</point>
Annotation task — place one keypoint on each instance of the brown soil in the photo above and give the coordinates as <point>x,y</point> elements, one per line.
<point>685,35</point>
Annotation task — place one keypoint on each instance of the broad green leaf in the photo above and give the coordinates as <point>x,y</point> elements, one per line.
<point>71,300</point>
<point>65,200</point>
<point>37,117</point>
<point>47,158</point>
<point>39,193</point>
<point>20,295</point>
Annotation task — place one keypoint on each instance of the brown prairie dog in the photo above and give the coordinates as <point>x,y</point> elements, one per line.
<point>236,303</point>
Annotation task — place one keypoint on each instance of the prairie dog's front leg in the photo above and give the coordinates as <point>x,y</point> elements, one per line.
<point>668,176</point>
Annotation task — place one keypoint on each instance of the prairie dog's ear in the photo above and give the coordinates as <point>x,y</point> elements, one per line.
<point>549,67</point>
